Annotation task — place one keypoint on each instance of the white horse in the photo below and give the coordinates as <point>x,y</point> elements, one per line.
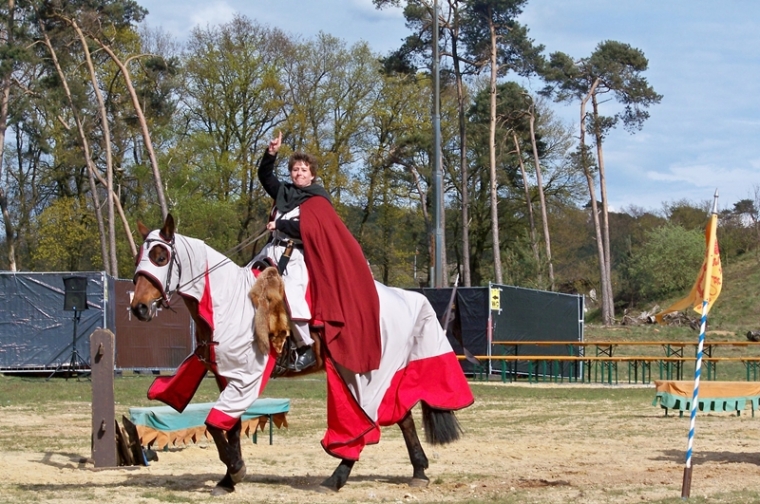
<point>417,364</point>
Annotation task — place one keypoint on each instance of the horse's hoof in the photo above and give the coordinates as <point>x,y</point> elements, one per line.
<point>218,491</point>
<point>238,476</point>
<point>325,489</point>
<point>419,482</point>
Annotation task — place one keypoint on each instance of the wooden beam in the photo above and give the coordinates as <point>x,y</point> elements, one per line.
<point>103,413</point>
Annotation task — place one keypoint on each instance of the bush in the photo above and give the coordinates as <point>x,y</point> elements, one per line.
<point>666,264</point>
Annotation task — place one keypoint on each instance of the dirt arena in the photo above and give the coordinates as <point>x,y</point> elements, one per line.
<point>552,448</point>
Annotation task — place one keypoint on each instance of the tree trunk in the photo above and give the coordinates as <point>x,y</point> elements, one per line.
<point>529,204</point>
<point>492,160</point>
<point>544,216</point>
<point>10,231</point>
<point>425,215</point>
<point>461,111</point>
<point>107,144</point>
<point>143,126</point>
<point>610,299</point>
<point>5,94</point>
<point>606,308</point>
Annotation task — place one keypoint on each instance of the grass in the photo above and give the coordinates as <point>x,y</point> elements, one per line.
<point>501,414</point>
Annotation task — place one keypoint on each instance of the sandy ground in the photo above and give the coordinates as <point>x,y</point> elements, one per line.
<point>543,453</point>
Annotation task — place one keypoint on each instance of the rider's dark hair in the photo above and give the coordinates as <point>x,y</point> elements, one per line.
<point>310,161</point>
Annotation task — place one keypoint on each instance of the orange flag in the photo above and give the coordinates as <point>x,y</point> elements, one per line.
<point>711,285</point>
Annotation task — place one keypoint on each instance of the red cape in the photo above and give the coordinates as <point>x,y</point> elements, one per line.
<point>342,289</point>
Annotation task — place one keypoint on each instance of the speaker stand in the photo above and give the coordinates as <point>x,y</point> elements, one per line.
<point>76,362</point>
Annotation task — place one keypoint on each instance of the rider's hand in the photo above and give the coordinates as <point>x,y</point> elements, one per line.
<point>270,226</point>
<point>274,144</point>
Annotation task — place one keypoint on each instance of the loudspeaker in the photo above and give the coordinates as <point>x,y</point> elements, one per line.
<point>75,298</point>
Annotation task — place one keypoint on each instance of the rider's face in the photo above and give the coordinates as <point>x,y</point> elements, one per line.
<point>301,175</point>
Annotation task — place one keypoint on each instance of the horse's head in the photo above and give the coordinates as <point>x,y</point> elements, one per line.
<point>157,271</point>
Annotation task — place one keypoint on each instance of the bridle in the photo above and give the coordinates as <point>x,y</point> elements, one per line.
<point>166,291</point>
<point>148,270</point>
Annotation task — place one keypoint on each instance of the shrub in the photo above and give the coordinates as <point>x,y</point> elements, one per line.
<point>666,264</point>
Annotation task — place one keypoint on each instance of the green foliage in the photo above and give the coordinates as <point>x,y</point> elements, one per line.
<point>212,104</point>
<point>666,264</point>
<point>67,238</point>
<point>687,215</point>
<point>212,221</point>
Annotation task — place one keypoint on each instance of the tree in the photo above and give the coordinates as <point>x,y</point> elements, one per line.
<point>418,14</point>
<point>90,22</point>
<point>232,105</point>
<point>91,168</point>
<point>13,52</point>
<point>540,186</point>
<point>330,94</point>
<point>515,197</point>
<point>496,40</point>
<point>394,180</point>
<point>66,232</point>
<point>614,68</point>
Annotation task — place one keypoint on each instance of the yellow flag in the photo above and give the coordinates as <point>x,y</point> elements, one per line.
<point>713,284</point>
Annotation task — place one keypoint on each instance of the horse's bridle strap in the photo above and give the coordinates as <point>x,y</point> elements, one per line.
<point>173,259</point>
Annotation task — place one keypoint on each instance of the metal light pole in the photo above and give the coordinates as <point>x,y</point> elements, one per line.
<point>437,175</point>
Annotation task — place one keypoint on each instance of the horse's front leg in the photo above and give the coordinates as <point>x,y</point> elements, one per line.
<point>416,453</point>
<point>228,446</point>
<point>339,477</point>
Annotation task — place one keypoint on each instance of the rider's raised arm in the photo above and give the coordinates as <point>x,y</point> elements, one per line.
<point>268,179</point>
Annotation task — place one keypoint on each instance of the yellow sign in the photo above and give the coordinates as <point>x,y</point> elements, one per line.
<point>495,299</point>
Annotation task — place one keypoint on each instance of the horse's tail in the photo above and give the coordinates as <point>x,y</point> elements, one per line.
<point>441,426</point>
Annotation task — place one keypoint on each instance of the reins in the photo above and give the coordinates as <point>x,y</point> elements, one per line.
<point>169,293</point>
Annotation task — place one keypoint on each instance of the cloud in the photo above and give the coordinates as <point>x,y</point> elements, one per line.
<point>367,10</point>
<point>215,13</point>
<point>702,175</point>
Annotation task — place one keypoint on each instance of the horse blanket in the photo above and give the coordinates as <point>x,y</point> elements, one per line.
<point>417,362</point>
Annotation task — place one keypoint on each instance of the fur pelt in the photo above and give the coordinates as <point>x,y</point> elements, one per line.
<point>270,322</point>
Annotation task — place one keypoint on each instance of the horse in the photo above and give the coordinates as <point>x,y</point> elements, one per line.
<point>417,365</point>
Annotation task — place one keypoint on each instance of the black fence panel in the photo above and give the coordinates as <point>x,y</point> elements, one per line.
<point>485,320</point>
<point>37,332</point>
<point>521,315</point>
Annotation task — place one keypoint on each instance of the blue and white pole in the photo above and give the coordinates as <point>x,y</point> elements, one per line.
<point>686,486</point>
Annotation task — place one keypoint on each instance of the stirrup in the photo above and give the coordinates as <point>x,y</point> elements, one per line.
<point>305,358</point>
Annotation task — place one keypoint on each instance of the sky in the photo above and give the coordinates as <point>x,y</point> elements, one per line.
<point>705,60</point>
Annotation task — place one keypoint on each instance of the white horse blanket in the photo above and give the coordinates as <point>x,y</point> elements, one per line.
<point>417,362</point>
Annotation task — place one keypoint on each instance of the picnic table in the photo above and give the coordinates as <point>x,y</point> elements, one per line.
<point>713,395</point>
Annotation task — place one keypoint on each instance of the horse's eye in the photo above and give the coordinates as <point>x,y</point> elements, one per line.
<point>159,255</point>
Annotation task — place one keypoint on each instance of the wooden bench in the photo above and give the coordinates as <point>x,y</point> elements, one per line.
<point>163,425</point>
<point>548,367</point>
<point>712,396</point>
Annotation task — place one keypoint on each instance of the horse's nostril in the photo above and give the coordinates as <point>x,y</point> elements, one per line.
<point>141,311</point>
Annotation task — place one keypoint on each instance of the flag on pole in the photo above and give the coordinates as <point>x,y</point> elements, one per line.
<point>714,283</point>
<point>710,283</point>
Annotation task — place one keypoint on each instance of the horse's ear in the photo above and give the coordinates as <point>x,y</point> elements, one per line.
<point>168,230</point>
<point>142,229</point>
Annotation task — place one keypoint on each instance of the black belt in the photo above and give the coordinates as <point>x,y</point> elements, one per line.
<point>284,243</point>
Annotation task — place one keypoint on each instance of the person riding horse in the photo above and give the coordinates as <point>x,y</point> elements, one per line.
<point>417,365</point>
<point>327,278</point>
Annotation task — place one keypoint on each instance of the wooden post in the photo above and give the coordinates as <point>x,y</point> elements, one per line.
<point>103,414</point>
